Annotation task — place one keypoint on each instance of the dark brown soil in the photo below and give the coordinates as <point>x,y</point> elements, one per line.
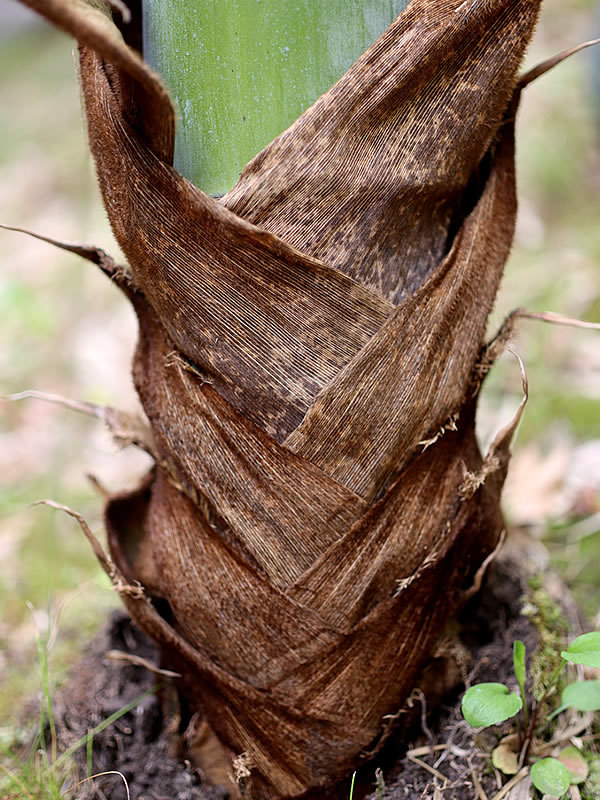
<point>490,624</point>
<point>147,746</point>
<point>137,744</point>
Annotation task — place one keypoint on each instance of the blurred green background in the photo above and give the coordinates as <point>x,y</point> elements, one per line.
<point>66,330</point>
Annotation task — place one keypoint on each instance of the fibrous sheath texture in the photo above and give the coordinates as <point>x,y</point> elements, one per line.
<point>311,348</point>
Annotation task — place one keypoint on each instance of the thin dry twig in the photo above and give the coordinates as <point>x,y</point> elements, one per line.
<point>424,792</point>
<point>89,409</point>
<point>557,319</point>
<point>104,559</point>
<point>426,750</point>
<point>512,782</point>
<point>99,775</point>
<point>477,783</point>
<point>565,735</point>
<point>429,768</point>
<point>479,575</point>
<point>422,699</point>
<point>138,661</point>
<point>108,565</point>
<point>125,428</point>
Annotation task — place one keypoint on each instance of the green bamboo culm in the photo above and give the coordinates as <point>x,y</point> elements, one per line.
<point>241,71</point>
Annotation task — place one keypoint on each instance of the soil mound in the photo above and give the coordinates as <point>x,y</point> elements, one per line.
<point>150,745</point>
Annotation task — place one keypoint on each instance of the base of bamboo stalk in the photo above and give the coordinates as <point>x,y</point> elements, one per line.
<point>163,752</point>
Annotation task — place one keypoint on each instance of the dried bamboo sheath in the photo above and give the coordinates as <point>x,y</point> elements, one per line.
<point>309,355</point>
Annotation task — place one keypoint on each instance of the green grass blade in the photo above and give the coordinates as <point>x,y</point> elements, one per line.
<point>352,786</point>
<point>105,724</point>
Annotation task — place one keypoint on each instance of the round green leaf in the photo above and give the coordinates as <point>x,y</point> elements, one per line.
<point>585,649</point>
<point>550,776</point>
<point>575,763</point>
<point>519,661</point>
<point>489,704</point>
<point>582,695</point>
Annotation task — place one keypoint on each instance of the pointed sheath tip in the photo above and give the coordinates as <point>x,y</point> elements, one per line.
<point>545,66</point>
<point>122,8</point>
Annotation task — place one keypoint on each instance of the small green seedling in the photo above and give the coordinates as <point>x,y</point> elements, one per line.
<point>488,704</point>
<point>550,776</point>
